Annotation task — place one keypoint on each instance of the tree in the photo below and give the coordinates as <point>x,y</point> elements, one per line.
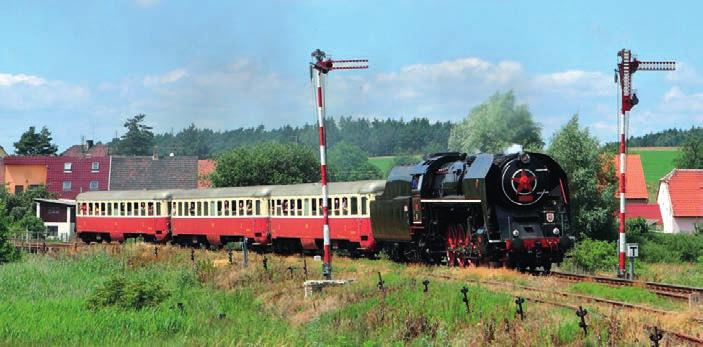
<point>691,152</point>
<point>266,163</point>
<point>495,125</point>
<point>591,180</point>
<point>349,163</point>
<point>138,140</point>
<point>193,141</point>
<point>8,252</point>
<point>33,143</point>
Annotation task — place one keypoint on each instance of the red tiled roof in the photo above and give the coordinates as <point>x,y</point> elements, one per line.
<point>646,211</point>
<point>685,192</point>
<point>635,186</point>
<point>205,168</point>
<point>98,150</point>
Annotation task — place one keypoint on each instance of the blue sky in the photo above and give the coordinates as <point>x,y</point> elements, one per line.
<point>83,67</point>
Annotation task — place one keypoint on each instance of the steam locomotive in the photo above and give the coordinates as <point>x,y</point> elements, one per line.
<point>450,208</point>
<point>511,209</point>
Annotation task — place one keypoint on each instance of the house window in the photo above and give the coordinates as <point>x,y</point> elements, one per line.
<point>94,185</point>
<point>19,189</point>
<point>52,231</point>
<point>66,186</point>
<point>67,167</point>
<point>53,210</point>
<point>95,167</point>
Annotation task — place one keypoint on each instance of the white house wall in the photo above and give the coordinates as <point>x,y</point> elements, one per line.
<point>665,208</point>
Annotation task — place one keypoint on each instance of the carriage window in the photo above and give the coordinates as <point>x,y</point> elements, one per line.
<point>205,208</point>
<point>345,206</point>
<point>364,203</point>
<point>225,208</point>
<point>219,208</point>
<point>142,209</point>
<point>249,207</point>
<point>109,209</point>
<point>150,209</point>
<point>354,205</point>
<point>314,204</point>
<point>299,207</point>
<point>336,207</point>
<point>258,208</point>
<point>199,208</point>
<point>129,209</point>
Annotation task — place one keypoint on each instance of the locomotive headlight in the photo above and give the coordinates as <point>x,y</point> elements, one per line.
<point>556,231</point>
<point>525,158</point>
<point>516,233</point>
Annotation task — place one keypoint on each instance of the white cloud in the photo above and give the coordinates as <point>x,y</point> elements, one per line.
<point>684,74</point>
<point>576,83</point>
<point>20,92</point>
<point>675,99</point>
<point>168,77</point>
<point>7,80</point>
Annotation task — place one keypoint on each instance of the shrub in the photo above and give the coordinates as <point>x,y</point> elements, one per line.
<point>127,294</point>
<point>592,255</point>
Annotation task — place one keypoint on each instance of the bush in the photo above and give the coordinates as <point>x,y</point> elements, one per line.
<point>592,255</point>
<point>127,294</point>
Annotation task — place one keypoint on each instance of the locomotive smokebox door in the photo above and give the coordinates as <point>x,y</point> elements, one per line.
<point>417,210</point>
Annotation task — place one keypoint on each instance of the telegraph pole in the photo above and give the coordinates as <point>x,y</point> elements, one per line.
<point>319,68</point>
<point>626,67</point>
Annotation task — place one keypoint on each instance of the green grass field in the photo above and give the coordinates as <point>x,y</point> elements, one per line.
<point>382,163</point>
<point>656,163</point>
<point>46,301</point>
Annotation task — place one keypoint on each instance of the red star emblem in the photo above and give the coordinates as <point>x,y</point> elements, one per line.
<point>524,182</point>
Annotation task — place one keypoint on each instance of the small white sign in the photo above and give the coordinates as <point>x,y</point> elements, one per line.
<point>633,250</point>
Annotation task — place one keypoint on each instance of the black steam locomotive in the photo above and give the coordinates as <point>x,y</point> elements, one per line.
<point>511,209</point>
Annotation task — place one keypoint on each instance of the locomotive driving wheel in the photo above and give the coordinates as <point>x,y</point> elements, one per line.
<point>457,245</point>
<point>450,245</point>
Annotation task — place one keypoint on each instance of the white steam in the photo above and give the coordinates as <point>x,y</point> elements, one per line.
<point>514,148</point>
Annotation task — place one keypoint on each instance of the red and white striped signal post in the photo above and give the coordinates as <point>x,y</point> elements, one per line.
<point>318,70</point>
<point>626,67</point>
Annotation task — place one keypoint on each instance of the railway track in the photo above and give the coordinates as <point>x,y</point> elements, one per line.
<point>49,247</point>
<point>682,337</point>
<point>678,292</point>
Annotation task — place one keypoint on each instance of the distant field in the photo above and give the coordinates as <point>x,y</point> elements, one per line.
<point>385,163</point>
<point>382,163</point>
<point>656,163</point>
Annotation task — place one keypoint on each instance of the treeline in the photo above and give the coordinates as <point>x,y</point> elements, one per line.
<point>376,137</point>
<point>665,138</point>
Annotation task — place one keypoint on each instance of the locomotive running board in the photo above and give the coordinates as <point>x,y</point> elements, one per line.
<point>452,200</point>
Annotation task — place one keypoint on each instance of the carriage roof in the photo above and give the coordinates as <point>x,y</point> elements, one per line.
<point>304,189</point>
<point>126,195</point>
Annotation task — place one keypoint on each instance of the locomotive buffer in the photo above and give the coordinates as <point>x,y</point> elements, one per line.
<point>318,70</point>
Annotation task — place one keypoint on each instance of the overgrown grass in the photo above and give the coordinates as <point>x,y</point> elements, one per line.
<point>632,295</point>
<point>45,301</point>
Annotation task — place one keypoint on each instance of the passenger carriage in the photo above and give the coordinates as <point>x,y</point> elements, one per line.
<point>221,215</point>
<point>296,215</point>
<point>115,216</point>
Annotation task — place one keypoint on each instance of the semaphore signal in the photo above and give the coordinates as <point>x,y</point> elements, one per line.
<point>319,68</point>
<point>626,67</point>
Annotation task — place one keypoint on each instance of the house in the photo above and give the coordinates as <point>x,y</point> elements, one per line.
<point>680,199</point>
<point>21,173</point>
<point>64,176</point>
<point>59,217</point>
<point>205,168</point>
<point>142,172</point>
<point>3,153</point>
<point>635,185</point>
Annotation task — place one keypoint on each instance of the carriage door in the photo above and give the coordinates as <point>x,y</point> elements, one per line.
<point>416,199</point>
